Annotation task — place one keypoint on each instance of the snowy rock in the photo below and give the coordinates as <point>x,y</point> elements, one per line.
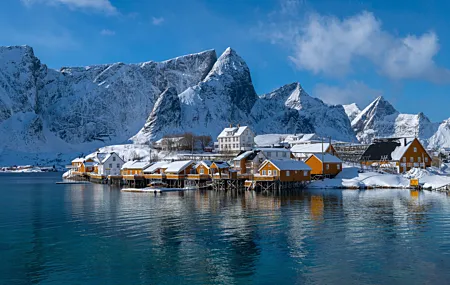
<point>352,110</point>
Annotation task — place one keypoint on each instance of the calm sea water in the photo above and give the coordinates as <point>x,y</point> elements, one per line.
<point>93,234</point>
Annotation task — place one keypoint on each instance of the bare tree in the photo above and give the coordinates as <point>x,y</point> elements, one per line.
<point>204,140</point>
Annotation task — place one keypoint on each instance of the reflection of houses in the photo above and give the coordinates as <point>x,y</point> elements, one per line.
<point>324,164</point>
<point>400,154</point>
<point>235,139</point>
<point>303,151</point>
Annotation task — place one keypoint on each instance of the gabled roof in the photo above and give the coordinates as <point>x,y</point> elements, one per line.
<point>243,155</point>
<point>392,148</point>
<point>268,149</point>
<point>327,158</point>
<point>310,148</point>
<point>206,163</point>
<point>232,132</point>
<point>287,164</point>
<point>155,166</point>
<point>136,165</point>
<point>221,164</point>
<point>78,159</point>
<point>178,166</point>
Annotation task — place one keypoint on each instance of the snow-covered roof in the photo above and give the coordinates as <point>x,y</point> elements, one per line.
<point>243,155</point>
<point>90,164</point>
<point>206,163</point>
<point>221,164</point>
<point>310,148</point>
<point>136,165</point>
<point>400,150</point>
<point>232,132</point>
<point>102,156</point>
<point>327,158</point>
<point>178,166</point>
<point>78,159</point>
<point>155,166</point>
<point>287,164</point>
<point>269,149</point>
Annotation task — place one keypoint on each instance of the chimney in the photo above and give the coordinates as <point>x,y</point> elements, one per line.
<point>404,141</point>
<point>238,125</point>
<point>231,125</point>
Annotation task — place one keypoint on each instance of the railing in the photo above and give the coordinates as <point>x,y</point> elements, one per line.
<point>198,176</point>
<point>264,178</point>
<point>155,176</point>
<point>175,176</point>
<point>133,177</point>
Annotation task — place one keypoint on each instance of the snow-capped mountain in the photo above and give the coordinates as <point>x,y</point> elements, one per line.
<point>441,138</point>
<point>227,96</point>
<point>79,109</point>
<point>352,110</point>
<point>381,119</point>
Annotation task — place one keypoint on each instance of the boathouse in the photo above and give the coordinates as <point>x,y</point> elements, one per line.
<point>324,164</point>
<point>397,154</point>
<point>156,171</point>
<point>177,171</point>
<point>284,170</point>
<point>303,151</point>
<point>219,169</point>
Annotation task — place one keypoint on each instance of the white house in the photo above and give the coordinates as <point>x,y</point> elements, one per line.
<point>108,163</point>
<point>275,153</point>
<point>234,139</point>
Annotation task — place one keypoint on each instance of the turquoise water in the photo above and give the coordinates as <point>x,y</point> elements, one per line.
<point>93,234</point>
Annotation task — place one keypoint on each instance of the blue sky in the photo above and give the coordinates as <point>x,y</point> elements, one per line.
<point>341,51</point>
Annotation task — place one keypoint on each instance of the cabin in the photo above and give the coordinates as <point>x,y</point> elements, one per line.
<point>200,171</point>
<point>248,162</point>
<point>398,154</point>
<point>108,164</point>
<point>303,151</point>
<point>284,171</point>
<point>156,171</point>
<point>173,143</point>
<point>82,165</point>
<point>324,164</point>
<point>134,168</point>
<point>235,139</point>
<point>220,169</point>
<point>179,169</point>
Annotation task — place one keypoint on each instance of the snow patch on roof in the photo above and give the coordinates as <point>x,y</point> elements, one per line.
<point>232,132</point>
<point>327,158</point>
<point>178,166</point>
<point>288,164</point>
<point>310,148</point>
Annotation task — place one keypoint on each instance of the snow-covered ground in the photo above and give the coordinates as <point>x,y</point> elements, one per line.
<point>351,178</point>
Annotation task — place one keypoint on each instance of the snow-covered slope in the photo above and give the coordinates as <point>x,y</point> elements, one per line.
<point>381,119</point>
<point>227,96</point>
<point>352,110</point>
<point>441,138</point>
<point>77,109</point>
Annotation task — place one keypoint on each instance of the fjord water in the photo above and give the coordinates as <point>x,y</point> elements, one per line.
<point>94,234</point>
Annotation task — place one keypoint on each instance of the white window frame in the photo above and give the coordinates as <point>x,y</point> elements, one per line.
<point>288,173</point>
<point>426,159</point>
<point>275,173</point>
<point>327,166</point>
<point>202,171</point>
<point>263,172</point>
<point>338,166</point>
<point>305,173</point>
<point>411,159</point>
<point>269,172</point>
<point>415,149</point>
<point>404,159</point>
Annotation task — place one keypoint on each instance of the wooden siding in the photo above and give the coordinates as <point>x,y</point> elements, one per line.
<point>131,172</point>
<point>202,167</point>
<point>316,166</point>
<point>418,157</point>
<point>294,175</point>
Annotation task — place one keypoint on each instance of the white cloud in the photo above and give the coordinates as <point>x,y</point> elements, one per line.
<point>157,21</point>
<point>103,6</point>
<point>106,32</point>
<point>353,92</point>
<point>332,46</point>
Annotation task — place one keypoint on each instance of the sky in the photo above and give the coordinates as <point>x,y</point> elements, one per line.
<point>341,51</point>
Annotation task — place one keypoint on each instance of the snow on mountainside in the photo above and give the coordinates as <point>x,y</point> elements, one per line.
<point>441,138</point>
<point>352,110</point>
<point>381,119</point>
<point>78,109</point>
<point>227,96</point>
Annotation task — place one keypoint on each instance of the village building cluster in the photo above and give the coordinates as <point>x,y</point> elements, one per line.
<point>238,163</point>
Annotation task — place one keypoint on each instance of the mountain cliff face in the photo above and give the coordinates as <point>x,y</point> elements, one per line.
<point>352,110</point>
<point>381,119</point>
<point>290,109</point>
<point>77,109</point>
<point>227,96</point>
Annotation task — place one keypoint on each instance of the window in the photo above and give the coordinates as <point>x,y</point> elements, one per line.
<point>202,171</point>
<point>110,165</point>
<point>305,173</point>
<point>114,158</point>
<point>415,149</point>
<point>269,172</point>
<point>118,165</point>
<point>284,154</point>
<point>276,153</point>
<point>338,166</point>
<point>418,159</point>
<point>275,173</point>
<point>263,172</point>
<point>287,173</point>
<point>404,159</point>
<point>426,159</point>
<point>411,159</point>
<point>327,166</point>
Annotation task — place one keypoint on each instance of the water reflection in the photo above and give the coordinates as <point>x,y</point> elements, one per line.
<point>96,234</point>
